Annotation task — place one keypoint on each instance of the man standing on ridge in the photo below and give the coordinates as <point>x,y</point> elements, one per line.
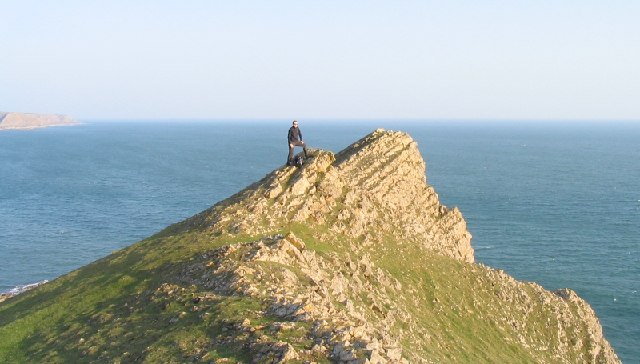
<point>295,140</point>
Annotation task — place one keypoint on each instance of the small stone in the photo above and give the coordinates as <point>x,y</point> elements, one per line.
<point>289,353</point>
<point>394,353</point>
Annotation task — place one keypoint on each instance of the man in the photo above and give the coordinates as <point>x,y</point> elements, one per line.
<point>295,140</point>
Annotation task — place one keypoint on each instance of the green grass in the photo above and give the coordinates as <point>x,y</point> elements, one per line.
<point>113,310</point>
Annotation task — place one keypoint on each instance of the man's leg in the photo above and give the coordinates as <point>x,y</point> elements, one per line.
<point>292,145</point>
<point>303,145</point>
<point>290,159</point>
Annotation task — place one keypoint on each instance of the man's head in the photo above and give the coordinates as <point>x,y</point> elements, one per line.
<point>295,123</point>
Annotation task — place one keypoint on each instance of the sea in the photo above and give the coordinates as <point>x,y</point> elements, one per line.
<point>555,202</point>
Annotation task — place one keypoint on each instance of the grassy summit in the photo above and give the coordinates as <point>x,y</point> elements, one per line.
<point>350,258</point>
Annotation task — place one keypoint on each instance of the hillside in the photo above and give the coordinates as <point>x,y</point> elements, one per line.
<point>17,120</point>
<point>351,258</point>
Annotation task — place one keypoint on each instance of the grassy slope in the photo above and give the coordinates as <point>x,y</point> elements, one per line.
<point>111,308</point>
<point>133,305</point>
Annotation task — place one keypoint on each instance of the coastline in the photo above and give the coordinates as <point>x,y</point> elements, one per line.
<point>26,128</point>
<point>19,290</point>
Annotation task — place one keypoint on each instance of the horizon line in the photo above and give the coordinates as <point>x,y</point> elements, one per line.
<point>354,119</point>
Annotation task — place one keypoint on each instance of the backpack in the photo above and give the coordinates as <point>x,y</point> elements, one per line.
<point>298,161</point>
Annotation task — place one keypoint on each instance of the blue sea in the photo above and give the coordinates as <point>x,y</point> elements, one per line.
<point>557,203</point>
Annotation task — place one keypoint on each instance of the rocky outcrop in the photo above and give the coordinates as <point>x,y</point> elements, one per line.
<point>350,258</point>
<point>339,328</point>
<point>15,120</point>
<point>350,309</point>
<point>373,189</point>
<point>372,193</point>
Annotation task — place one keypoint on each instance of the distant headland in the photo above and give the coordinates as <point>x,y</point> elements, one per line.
<point>25,121</point>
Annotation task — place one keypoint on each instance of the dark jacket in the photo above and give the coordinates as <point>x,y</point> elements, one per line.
<point>295,135</point>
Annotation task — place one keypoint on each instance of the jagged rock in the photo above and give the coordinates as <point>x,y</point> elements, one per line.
<point>293,240</point>
<point>378,184</point>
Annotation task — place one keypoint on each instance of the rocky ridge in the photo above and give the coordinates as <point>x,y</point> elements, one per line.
<point>373,190</point>
<point>377,184</point>
<point>16,120</point>
<point>349,259</point>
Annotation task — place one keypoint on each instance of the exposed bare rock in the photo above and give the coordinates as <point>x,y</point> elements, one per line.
<point>345,329</point>
<point>371,194</point>
<point>5,296</point>
<point>373,188</point>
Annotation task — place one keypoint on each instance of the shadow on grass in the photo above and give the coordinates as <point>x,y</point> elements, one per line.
<point>112,308</point>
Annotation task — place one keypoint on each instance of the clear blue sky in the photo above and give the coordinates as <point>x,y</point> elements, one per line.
<point>322,59</point>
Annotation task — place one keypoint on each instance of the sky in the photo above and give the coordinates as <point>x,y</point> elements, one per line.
<point>512,60</point>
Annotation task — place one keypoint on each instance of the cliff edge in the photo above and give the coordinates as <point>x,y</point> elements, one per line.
<point>374,189</point>
<point>350,258</point>
<point>23,121</point>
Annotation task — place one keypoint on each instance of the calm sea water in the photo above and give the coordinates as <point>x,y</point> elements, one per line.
<point>555,203</point>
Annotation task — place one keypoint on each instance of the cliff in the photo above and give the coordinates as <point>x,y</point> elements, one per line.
<point>351,258</point>
<point>15,120</point>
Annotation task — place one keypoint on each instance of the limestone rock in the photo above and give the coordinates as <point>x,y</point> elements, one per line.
<point>375,186</point>
<point>374,190</point>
